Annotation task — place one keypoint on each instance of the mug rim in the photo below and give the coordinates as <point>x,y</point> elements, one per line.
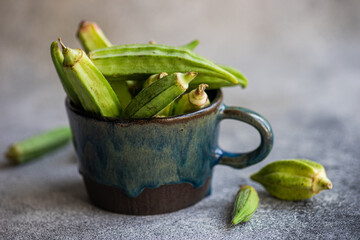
<point>215,103</point>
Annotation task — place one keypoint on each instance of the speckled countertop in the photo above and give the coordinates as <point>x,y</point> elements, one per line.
<point>302,62</point>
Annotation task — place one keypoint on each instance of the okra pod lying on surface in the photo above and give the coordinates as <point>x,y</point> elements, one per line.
<point>94,91</point>
<point>139,61</point>
<point>158,95</point>
<point>246,203</point>
<point>293,179</point>
<point>36,146</point>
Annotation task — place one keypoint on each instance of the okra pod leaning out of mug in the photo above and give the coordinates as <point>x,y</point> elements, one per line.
<point>91,38</point>
<point>38,145</point>
<point>94,91</point>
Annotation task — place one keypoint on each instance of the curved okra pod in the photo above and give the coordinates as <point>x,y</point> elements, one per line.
<point>139,61</point>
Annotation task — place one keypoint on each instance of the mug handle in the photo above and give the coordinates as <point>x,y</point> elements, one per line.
<point>242,160</point>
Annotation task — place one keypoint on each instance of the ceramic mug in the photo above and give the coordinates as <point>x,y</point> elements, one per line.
<point>158,165</point>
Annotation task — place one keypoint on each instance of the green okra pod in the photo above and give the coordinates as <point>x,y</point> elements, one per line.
<point>246,203</point>
<point>58,58</point>
<point>36,146</point>
<point>293,179</point>
<point>192,101</point>
<point>91,36</point>
<point>158,95</point>
<point>139,61</point>
<point>94,91</point>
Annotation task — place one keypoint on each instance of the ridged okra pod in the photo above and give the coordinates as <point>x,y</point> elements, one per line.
<point>38,145</point>
<point>58,58</point>
<point>192,101</point>
<point>94,91</point>
<point>158,95</point>
<point>293,179</point>
<point>246,203</point>
<point>139,61</point>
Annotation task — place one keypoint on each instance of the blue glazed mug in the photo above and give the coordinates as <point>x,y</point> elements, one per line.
<point>158,165</point>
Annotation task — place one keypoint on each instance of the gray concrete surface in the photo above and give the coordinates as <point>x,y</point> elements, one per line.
<point>302,60</point>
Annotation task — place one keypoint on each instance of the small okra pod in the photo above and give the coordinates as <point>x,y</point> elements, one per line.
<point>192,101</point>
<point>293,179</point>
<point>91,36</point>
<point>246,203</point>
<point>38,145</point>
<point>94,91</point>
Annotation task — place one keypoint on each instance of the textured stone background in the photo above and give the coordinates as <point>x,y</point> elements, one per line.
<point>302,60</point>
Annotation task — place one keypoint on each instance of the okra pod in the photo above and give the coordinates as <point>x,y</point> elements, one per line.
<point>91,36</point>
<point>139,61</point>
<point>247,201</point>
<point>293,179</point>
<point>158,95</point>
<point>192,101</point>
<point>36,146</point>
<point>94,91</point>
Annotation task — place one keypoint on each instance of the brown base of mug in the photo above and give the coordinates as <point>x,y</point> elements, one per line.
<point>164,199</point>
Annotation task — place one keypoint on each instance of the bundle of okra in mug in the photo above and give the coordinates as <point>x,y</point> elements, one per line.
<point>137,80</point>
<point>153,80</point>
